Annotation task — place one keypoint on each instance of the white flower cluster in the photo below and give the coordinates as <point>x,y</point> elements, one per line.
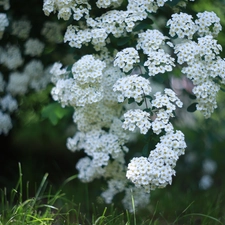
<point>100,134</point>
<point>67,8</point>
<point>5,123</point>
<point>126,59</point>
<point>113,22</point>
<point>8,105</point>
<point>158,61</point>
<point>99,145</point>
<point>33,47</point>
<point>108,3</point>
<point>204,65</point>
<point>85,86</point>
<point>39,77</point>
<point>34,76</point>
<point>20,71</point>
<point>150,40</point>
<point>208,24</point>
<point>133,86</point>
<point>157,170</point>
<point>95,115</point>
<point>58,72</point>
<point>117,183</point>
<point>165,105</point>
<point>3,23</point>
<point>11,57</point>
<point>21,28</point>
<point>87,171</point>
<point>137,118</point>
<point>18,83</point>
<point>88,70</point>
<point>182,25</point>
<point>140,199</point>
<point>146,6</point>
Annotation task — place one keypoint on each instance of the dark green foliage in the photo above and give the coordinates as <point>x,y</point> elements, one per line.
<point>192,107</point>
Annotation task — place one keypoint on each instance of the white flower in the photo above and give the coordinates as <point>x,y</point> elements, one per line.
<point>141,199</point>
<point>126,59</point>
<point>58,72</point>
<point>39,77</point>
<point>132,86</point>
<point>33,47</point>
<point>3,23</point>
<point>87,171</point>
<point>159,62</point>
<point>150,40</point>
<point>18,83</point>
<point>5,123</point>
<point>21,28</point>
<point>137,118</point>
<point>208,24</point>
<point>8,103</point>
<point>205,182</point>
<point>88,70</point>
<point>209,166</point>
<point>108,3</point>
<point>182,25</point>
<point>11,57</point>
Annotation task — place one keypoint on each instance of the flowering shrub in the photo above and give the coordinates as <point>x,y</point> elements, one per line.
<point>111,86</point>
<point>125,54</point>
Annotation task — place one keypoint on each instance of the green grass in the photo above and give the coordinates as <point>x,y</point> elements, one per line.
<point>59,207</point>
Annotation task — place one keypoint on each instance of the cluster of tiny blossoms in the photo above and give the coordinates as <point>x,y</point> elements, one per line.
<point>126,59</point>
<point>98,88</point>
<point>157,170</point>
<point>132,86</point>
<point>67,8</point>
<point>204,65</point>
<point>22,69</point>
<point>158,60</point>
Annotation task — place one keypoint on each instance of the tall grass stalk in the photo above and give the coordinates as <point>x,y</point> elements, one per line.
<point>37,210</point>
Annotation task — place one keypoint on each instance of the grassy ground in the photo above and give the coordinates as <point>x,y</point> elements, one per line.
<point>72,205</point>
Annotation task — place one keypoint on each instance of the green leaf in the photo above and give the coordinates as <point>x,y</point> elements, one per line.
<point>192,107</point>
<point>131,100</point>
<point>122,41</point>
<point>143,25</point>
<point>173,3</point>
<point>149,97</point>
<point>145,151</point>
<point>54,112</point>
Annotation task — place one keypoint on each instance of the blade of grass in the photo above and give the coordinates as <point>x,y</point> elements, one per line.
<point>41,187</point>
<point>133,206</point>
<point>101,218</point>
